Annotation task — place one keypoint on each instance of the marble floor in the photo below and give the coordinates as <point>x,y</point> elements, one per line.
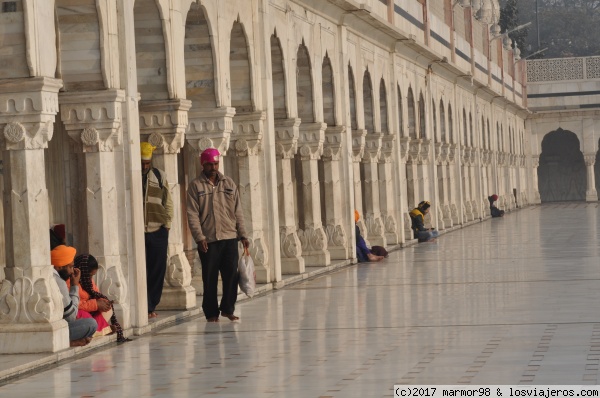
<point>508,301</point>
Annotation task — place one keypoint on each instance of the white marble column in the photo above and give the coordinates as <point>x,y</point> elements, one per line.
<point>246,140</point>
<point>454,188</point>
<point>591,195</point>
<point>312,236</point>
<point>370,164</point>
<point>163,123</point>
<point>337,239</point>
<point>31,306</point>
<point>93,120</point>
<point>286,146</point>
<point>405,232</point>
<point>358,150</point>
<point>386,189</point>
<point>535,163</point>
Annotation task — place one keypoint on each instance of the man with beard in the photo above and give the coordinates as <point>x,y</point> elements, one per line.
<point>80,330</point>
<point>216,221</point>
<point>158,213</point>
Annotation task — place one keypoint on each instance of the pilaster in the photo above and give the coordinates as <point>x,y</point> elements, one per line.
<point>93,120</point>
<point>591,195</point>
<point>370,163</point>
<point>386,188</point>
<point>163,123</point>
<point>30,302</point>
<point>358,150</point>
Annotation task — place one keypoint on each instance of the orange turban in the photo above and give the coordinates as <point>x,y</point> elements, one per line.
<point>62,255</point>
<point>356,216</point>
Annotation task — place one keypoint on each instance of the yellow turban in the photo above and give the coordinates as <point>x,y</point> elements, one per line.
<point>356,216</point>
<point>146,150</point>
<point>62,255</point>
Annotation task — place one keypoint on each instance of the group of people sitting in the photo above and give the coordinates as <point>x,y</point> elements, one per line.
<point>86,310</point>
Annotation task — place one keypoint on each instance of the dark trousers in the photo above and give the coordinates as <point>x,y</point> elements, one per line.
<point>156,265</point>
<point>222,256</point>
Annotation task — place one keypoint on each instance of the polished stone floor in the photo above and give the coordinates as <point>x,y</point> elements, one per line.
<point>509,301</point>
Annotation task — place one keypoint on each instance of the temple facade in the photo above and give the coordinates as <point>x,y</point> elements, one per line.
<point>319,107</point>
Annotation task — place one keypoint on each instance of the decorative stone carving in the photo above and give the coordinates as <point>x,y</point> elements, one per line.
<point>111,278</point>
<point>358,144</point>
<point>90,136</point>
<point>336,236</point>
<point>313,239</point>
<point>404,148</point>
<point>27,301</point>
<point>247,133</point>
<point>590,160</point>
<point>210,129</point>
<point>14,132</point>
<point>290,244</point>
<point>166,119</point>
<point>286,137</point>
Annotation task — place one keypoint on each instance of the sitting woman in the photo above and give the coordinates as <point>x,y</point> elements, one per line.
<point>494,211</point>
<point>362,251</point>
<point>94,304</point>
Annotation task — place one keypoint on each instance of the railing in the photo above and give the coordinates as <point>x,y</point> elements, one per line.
<point>561,69</point>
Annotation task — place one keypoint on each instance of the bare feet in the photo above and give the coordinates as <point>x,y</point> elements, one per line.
<point>374,258</point>
<point>212,319</point>
<point>152,315</point>
<point>79,342</point>
<point>230,316</point>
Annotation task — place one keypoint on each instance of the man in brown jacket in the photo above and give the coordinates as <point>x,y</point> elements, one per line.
<point>214,213</point>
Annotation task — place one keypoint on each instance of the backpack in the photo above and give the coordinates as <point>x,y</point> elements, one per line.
<point>158,177</point>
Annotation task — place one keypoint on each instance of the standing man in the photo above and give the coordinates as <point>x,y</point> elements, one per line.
<point>417,217</point>
<point>216,221</point>
<point>158,213</point>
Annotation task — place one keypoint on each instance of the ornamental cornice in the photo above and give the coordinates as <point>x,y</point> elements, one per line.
<point>373,143</point>
<point>247,133</point>
<point>332,146</point>
<point>286,137</point>
<point>310,140</point>
<point>210,129</point>
<point>167,119</point>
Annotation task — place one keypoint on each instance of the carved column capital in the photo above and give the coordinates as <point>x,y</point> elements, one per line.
<point>27,112</point>
<point>535,161</point>
<point>286,137</point>
<point>358,144</point>
<point>166,118</point>
<point>332,145</point>
<point>404,147</point>
<point>387,148</point>
<point>414,149</point>
<point>312,136</point>
<point>93,118</point>
<point>590,159</point>
<point>247,133</point>
<point>373,142</point>
<point>210,129</point>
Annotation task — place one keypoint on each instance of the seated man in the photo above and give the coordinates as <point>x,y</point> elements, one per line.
<point>494,211</point>
<point>362,251</point>
<point>417,217</point>
<point>80,330</point>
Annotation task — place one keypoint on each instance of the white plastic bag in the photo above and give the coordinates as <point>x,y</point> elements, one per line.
<point>247,277</point>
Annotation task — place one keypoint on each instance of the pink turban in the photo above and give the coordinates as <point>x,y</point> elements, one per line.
<point>209,155</point>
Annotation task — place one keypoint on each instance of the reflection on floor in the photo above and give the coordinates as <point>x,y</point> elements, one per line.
<point>508,301</point>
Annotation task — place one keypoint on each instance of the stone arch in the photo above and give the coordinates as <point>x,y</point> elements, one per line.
<point>79,52</point>
<point>150,51</point>
<point>383,108</point>
<point>352,98</point>
<point>304,86</point>
<point>443,137</point>
<point>400,113</point>
<point>240,72</point>
<point>562,170</point>
<point>422,131</point>
<point>328,92</point>
<point>278,79</point>
<point>434,131</point>
<point>199,60</point>
<point>465,129</point>
<point>412,115</point>
<point>450,124</point>
<point>13,58</point>
<point>368,102</point>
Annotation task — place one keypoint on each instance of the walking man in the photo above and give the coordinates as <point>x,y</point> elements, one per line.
<point>158,213</point>
<point>216,221</point>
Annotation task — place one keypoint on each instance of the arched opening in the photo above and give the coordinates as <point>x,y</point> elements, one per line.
<point>79,49</point>
<point>199,64</point>
<point>304,86</point>
<point>471,130</point>
<point>400,113</point>
<point>450,124</point>
<point>352,95</point>
<point>328,92</point>
<point>240,74</point>
<point>383,109</point>
<point>443,137</point>
<point>368,102</point>
<point>562,171</point>
<point>489,133</point>
<point>412,116</point>
<point>422,126</point>
<point>434,127</point>
<point>151,57</point>
<point>278,79</point>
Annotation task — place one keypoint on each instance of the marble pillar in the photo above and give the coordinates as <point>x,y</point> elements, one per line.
<point>453,188</point>
<point>247,135</point>
<point>591,195</point>
<point>93,120</point>
<point>337,239</point>
<point>371,204</point>
<point>535,163</point>
<point>286,146</point>
<point>312,236</point>
<point>358,150</point>
<point>163,123</point>
<point>386,189</point>
<point>31,306</point>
